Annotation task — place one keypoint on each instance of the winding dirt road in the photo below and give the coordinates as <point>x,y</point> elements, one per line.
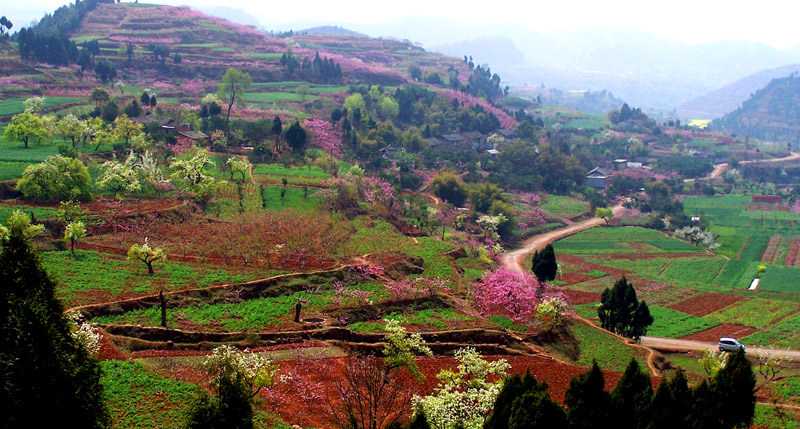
<point>720,168</point>
<point>513,260</point>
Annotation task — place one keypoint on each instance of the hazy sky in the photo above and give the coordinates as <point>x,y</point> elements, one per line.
<point>693,21</point>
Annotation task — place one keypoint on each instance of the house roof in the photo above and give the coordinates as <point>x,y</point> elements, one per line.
<point>148,119</point>
<point>598,172</point>
<point>452,137</point>
<point>505,132</point>
<point>194,135</point>
<point>473,135</point>
<point>492,151</point>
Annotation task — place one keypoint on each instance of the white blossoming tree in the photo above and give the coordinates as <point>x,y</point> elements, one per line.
<point>464,398</point>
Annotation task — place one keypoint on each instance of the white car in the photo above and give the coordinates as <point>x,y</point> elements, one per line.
<point>730,345</point>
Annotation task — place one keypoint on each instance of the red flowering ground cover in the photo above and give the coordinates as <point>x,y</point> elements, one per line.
<point>717,332</point>
<point>705,304</point>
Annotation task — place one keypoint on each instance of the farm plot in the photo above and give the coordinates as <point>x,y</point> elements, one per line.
<point>675,324</point>
<point>704,304</point>
<point>38,212</point>
<point>250,315</point>
<point>274,173</point>
<point>757,312</point>
<point>609,351</point>
<point>785,333</point>
<point>91,277</point>
<point>425,319</point>
<point>12,106</point>
<point>719,331</point>
<point>781,279</point>
<point>626,240</point>
<point>565,206</point>
<point>695,272</point>
<point>138,397</point>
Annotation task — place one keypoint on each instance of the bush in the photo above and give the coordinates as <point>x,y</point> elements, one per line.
<point>57,178</point>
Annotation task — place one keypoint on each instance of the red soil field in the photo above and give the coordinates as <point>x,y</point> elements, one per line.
<point>717,332</point>
<point>577,260</point>
<point>705,304</point>
<point>300,398</point>
<point>578,297</point>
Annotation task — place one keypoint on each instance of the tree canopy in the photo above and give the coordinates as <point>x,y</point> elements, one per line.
<point>232,88</point>
<point>43,365</point>
<point>621,312</point>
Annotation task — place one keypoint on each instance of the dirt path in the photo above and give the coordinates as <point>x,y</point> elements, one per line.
<point>720,168</point>
<point>514,260</point>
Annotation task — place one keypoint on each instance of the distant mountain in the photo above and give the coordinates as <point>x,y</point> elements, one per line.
<point>729,97</point>
<point>496,52</point>
<point>236,15</point>
<point>329,30</point>
<point>643,69</point>
<point>772,113</point>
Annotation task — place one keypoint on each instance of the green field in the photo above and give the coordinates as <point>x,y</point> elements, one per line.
<point>138,397</point>
<point>12,106</point>
<point>757,312</point>
<point>675,324</point>
<point>564,206</point>
<point>597,241</point>
<point>94,277</point>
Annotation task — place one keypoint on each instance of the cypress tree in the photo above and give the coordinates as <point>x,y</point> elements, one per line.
<point>631,398</point>
<point>588,404</point>
<point>544,264</point>
<point>734,386</point>
<point>47,377</point>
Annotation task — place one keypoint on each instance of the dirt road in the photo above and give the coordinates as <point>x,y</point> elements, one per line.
<point>720,168</point>
<point>676,344</point>
<point>513,260</point>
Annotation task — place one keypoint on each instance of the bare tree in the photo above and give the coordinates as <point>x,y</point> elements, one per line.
<point>368,395</point>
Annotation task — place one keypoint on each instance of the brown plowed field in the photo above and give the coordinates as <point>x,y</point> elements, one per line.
<point>717,332</point>
<point>705,304</point>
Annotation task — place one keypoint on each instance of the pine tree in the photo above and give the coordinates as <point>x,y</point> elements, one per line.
<point>734,386</point>
<point>588,404</point>
<point>631,398</point>
<point>47,377</point>
<point>524,403</point>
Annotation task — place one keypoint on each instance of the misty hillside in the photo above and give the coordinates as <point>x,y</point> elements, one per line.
<point>729,97</point>
<point>498,51</point>
<point>643,69</point>
<point>772,113</point>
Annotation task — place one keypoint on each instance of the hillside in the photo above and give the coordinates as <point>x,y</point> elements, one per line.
<point>772,113</point>
<point>729,97</point>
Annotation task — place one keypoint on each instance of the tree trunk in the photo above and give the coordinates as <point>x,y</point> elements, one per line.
<point>163,308</point>
<point>149,267</point>
<point>297,309</point>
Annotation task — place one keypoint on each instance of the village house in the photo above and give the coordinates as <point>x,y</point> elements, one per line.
<point>598,178</point>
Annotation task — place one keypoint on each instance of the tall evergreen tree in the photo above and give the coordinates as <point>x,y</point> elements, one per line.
<point>734,386</point>
<point>631,398</point>
<point>621,312</point>
<point>47,377</point>
<point>544,264</point>
<point>524,403</point>
<point>588,404</point>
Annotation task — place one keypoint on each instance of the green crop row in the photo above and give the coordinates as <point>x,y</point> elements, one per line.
<point>757,312</point>
<point>249,315</point>
<point>675,324</point>
<point>139,398</point>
